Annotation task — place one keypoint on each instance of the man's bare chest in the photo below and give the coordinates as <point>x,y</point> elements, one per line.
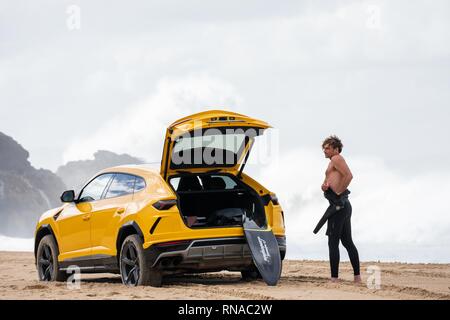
<point>330,169</point>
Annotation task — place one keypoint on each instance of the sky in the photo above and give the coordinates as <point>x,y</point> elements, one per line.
<point>78,76</point>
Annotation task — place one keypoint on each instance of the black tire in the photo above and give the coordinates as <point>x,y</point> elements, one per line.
<point>47,264</point>
<point>134,268</point>
<point>253,274</point>
<point>250,274</point>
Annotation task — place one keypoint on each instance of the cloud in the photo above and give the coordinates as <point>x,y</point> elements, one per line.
<point>297,63</point>
<point>394,218</point>
<point>15,244</point>
<point>140,129</point>
<point>304,59</point>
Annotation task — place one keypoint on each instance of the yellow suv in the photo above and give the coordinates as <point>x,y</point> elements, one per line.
<point>187,216</point>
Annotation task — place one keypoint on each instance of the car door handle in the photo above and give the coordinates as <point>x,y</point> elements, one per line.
<point>86,217</point>
<point>120,210</point>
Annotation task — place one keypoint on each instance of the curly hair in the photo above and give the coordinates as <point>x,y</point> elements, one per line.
<point>334,142</point>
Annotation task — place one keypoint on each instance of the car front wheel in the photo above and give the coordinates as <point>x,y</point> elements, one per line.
<point>47,260</point>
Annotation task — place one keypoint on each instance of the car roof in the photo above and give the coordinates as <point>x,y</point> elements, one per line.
<point>137,169</point>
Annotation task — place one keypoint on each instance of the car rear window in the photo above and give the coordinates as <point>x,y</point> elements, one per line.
<point>212,147</point>
<point>139,185</point>
<point>122,184</point>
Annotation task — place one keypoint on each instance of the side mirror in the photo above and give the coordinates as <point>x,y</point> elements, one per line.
<point>68,196</point>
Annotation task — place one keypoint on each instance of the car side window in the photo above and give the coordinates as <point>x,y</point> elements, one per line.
<point>94,190</point>
<point>175,182</point>
<point>218,182</point>
<point>121,185</point>
<point>229,183</point>
<point>139,185</point>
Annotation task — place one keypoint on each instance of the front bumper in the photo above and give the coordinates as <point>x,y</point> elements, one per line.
<point>231,253</point>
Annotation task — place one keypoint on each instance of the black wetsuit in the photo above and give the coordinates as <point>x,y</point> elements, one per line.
<point>339,228</point>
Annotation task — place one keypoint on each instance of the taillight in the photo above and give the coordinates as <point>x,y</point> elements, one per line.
<point>274,199</point>
<point>164,204</point>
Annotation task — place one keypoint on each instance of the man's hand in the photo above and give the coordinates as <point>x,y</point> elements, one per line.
<point>325,186</point>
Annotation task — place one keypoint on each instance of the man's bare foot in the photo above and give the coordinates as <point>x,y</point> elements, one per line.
<point>334,280</point>
<point>357,279</point>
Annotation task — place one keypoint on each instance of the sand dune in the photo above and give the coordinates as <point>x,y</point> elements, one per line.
<point>300,280</point>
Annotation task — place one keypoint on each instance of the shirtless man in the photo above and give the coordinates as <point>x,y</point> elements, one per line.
<point>337,179</point>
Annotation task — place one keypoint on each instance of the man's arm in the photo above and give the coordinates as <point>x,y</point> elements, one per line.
<point>341,166</point>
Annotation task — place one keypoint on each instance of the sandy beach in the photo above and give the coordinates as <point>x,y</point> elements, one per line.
<point>299,280</point>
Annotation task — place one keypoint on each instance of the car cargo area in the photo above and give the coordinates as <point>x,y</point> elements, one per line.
<point>216,200</point>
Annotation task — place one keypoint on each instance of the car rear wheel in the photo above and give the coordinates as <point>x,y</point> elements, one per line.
<point>47,260</point>
<point>250,274</point>
<point>134,269</point>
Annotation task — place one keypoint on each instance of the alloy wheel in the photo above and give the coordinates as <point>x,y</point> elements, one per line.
<point>45,263</point>
<point>130,265</point>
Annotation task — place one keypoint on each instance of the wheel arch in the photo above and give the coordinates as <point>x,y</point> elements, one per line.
<point>44,230</point>
<point>127,229</point>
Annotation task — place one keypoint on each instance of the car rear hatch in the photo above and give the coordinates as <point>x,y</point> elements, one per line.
<point>211,140</point>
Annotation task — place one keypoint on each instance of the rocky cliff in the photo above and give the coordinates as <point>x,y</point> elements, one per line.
<point>25,192</point>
